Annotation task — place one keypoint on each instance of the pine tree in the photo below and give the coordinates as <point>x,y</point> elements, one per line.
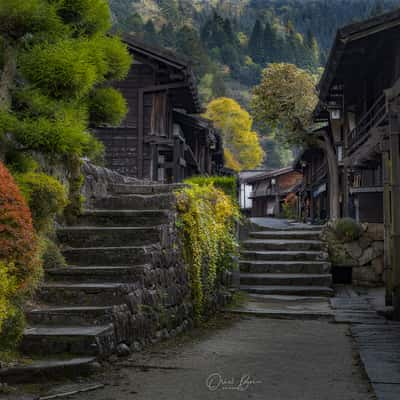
<point>150,33</point>
<point>169,10</point>
<point>256,46</point>
<point>59,57</point>
<point>269,38</point>
<point>189,44</point>
<point>167,35</point>
<point>312,48</point>
<point>134,23</point>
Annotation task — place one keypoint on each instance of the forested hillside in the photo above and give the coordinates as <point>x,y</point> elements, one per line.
<point>230,42</point>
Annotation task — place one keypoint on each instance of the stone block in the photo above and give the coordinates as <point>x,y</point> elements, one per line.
<point>353,249</point>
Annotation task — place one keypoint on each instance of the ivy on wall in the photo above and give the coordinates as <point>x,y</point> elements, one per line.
<point>206,221</point>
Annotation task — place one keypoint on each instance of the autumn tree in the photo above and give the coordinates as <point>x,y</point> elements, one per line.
<point>56,60</point>
<point>242,145</point>
<point>284,102</point>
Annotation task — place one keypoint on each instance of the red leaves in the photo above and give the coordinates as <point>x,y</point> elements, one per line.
<point>18,242</point>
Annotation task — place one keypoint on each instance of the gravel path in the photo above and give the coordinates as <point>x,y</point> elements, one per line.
<point>250,359</point>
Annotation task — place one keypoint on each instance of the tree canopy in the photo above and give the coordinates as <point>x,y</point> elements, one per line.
<point>242,145</point>
<point>284,102</point>
<point>56,59</point>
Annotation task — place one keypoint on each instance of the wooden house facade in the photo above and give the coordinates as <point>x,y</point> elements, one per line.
<point>313,192</point>
<point>161,138</point>
<point>270,189</point>
<point>360,102</point>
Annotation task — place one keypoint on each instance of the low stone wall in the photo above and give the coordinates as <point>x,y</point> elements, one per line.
<point>365,256</point>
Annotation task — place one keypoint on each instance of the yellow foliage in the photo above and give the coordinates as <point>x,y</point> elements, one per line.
<point>206,224</point>
<point>242,145</point>
<point>231,162</point>
<point>8,289</point>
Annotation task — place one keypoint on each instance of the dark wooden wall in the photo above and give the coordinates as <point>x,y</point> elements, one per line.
<point>122,143</point>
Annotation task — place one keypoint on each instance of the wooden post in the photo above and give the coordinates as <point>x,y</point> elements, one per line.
<point>386,221</point>
<point>394,127</point>
<point>140,133</point>
<point>345,188</point>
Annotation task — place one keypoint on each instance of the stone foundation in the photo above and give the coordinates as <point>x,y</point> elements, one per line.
<point>365,256</point>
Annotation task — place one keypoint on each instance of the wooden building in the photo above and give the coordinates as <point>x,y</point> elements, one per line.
<point>161,138</point>
<point>360,100</point>
<point>246,190</point>
<point>313,192</point>
<point>270,189</point>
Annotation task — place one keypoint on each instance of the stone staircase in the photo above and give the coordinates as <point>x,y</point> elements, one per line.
<point>285,263</point>
<point>108,251</point>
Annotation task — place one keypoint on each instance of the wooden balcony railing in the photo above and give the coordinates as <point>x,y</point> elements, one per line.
<point>375,116</point>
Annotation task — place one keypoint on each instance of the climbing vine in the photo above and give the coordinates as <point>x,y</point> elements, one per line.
<point>206,222</point>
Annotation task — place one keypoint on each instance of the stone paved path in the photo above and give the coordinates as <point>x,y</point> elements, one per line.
<point>285,360</point>
<point>377,339</point>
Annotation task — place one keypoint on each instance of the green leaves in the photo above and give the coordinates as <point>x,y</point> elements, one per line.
<point>107,106</point>
<point>62,69</point>
<point>86,17</point>
<point>63,56</point>
<point>112,57</point>
<point>19,18</point>
<point>284,102</point>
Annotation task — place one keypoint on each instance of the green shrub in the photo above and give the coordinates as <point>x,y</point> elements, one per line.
<point>20,163</point>
<point>228,184</point>
<point>46,197</point>
<point>8,289</point>
<point>12,329</point>
<point>107,106</point>
<point>52,257</point>
<point>347,230</point>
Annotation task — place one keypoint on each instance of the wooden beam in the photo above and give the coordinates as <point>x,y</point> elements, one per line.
<point>140,133</point>
<point>386,223</point>
<point>394,124</point>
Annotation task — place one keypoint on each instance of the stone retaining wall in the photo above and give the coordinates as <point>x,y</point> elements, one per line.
<point>158,306</point>
<point>365,256</point>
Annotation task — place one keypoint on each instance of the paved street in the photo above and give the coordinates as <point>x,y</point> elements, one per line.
<point>274,359</point>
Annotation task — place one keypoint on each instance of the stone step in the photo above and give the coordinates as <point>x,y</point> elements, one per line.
<point>70,316</point>
<point>284,245</point>
<point>50,369</point>
<point>97,273</point>
<point>82,294</point>
<point>80,236</point>
<point>123,218</point>
<point>283,255</point>
<point>283,227</point>
<point>287,267</point>
<point>144,189</point>
<point>109,256</point>
<point>290,299</point>
<point>286,234</point>
<point>286,279</point>
<point>289,290</point>
<point>136,202</point>
<point>80,340</point>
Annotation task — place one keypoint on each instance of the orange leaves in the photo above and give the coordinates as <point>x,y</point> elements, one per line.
<point>18,242</point>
